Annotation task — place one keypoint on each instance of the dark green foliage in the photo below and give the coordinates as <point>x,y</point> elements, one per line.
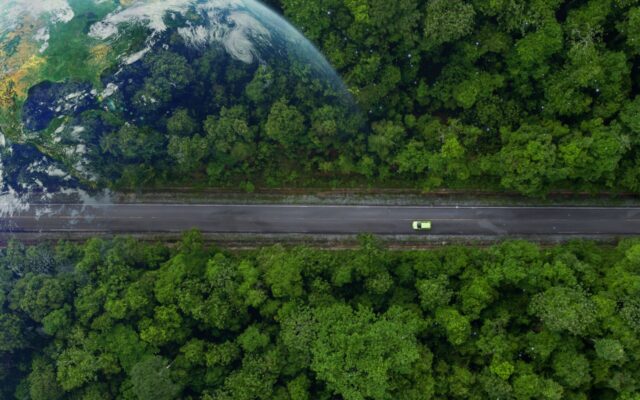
<point>151,379</point>
<point>127,320</point>
<point>529,79</point>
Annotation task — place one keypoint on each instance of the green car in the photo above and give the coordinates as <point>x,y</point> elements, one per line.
<point>421,225</point>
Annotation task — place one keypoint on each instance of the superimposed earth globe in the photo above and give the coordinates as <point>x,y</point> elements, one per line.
<point>97,91</point>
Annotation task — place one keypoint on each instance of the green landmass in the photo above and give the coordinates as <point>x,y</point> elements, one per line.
<point>125,319</point>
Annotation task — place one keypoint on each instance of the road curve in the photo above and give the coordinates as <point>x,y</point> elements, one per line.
<point>317,219</point>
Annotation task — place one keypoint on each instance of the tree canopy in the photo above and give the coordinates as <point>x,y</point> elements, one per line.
<point>524,96</point>
<point>129,320</point>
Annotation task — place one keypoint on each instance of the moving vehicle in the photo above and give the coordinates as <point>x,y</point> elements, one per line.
<point>421,225</point>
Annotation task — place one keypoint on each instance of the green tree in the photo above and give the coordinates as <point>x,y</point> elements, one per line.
<point>283,271</point>
<point>151,379</point>
<point>386,138</point>
<point>610,350</point>
<point>527,158</point>
<point>42,381</point>
<point>76,367</point>
<point>285,125</point>
<point>169,73</point>
<point>181,123</point>
<point>457,327</point>
<point>434,293</point>
<point>188,152</point>
<point>252,339</point>
<point>38,295</point>
<point>133,143</point>
<point>166,326</point>
<point>564,309</point>
<point>447,21</point>
<point>359,355</point>
<point>228,129</point>
<point>12,333</point>
<point>572,369</point>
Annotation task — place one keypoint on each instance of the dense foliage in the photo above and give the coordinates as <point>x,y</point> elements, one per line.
<point>217,121</point>
<point>121,319</point>
<point>521,95</point>
<point>518,95</point>
<point>527,94</point>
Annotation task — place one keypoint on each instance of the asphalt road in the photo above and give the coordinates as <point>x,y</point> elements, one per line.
<point>274,219</point>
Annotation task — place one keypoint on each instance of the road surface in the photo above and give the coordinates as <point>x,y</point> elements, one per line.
<point>312,219</point>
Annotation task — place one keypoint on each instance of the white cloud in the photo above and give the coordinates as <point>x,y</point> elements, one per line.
<point>149,13</point>
<point>43,36</point>
<point>55,11</point>
<point>12,203</point>
<point>236,29</point>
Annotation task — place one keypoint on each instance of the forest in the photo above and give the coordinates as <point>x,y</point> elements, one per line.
<point>132,320</point>
<point>524,96</point>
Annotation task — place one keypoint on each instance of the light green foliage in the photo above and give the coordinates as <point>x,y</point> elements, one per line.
<point>166,326</point>
<point>447,21</point>
<point>254,380</point>
<point>358,354</point>
<point>412,159</point>
<point>630,117</point>
<point>460,382</point>
<point>535,48</point>
<point>252,339</point>
<point>298,330</point>
<point>285,125</point>
<point>299,388</point>
<point>476,297</point>
<point>250,289</point>
<point>530,386</point>
<point>434,293</point>
<point>224,308</point>
<point>283,273</point>
<point>562,308</point>
<point>610,350</point>
<point>502,369</point>
<point>76,367</point>
<point>385,138</point>
<point>632,29</point>
<point>56,321</point>
<point>125,344</point>
<point>457,327</point>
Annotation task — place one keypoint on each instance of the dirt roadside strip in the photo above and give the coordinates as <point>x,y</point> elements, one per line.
<point>335,242</point>
<point>408,197</point>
